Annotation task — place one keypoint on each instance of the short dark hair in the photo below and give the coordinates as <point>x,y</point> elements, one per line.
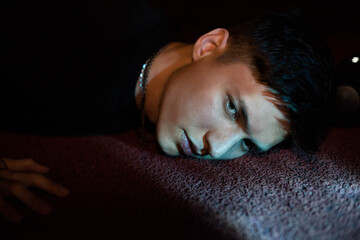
<point>294,62</point>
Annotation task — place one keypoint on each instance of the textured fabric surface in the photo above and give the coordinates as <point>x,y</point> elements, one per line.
<point>122,190</point>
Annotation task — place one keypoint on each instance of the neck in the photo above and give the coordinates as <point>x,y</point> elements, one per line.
<point>173,57</point>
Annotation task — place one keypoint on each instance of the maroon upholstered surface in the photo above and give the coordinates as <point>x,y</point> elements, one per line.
<point>122,190</point>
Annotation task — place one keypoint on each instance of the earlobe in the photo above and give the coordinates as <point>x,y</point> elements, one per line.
<point>210,42</point>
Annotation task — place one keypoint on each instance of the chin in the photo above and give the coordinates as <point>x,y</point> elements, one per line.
<point>167,146</point>
<point>166,138</point>
<point>170,151</point>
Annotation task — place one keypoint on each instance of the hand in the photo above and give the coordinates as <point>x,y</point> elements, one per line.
<point>16,177</point>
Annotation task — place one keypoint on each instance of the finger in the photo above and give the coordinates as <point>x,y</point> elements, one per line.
<point>36,180</point>
<point>25,164</point>
<point>21,192</point>
<point>2,164</point>
<point>43,183</point>
<point>9,212</point>
<point>28,198</point>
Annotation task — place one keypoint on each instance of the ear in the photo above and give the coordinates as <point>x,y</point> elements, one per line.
<point>211,41</point>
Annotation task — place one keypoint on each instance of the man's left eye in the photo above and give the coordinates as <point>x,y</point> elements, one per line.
<point>231,107</point>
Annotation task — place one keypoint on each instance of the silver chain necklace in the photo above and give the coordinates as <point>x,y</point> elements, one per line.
<point>143,80</point>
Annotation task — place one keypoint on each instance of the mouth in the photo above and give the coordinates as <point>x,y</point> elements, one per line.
<point>185,144</point>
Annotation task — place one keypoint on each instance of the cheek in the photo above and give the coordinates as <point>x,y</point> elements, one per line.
<point>192,105</point>
<point>192,97</point>
<point>267,128</point>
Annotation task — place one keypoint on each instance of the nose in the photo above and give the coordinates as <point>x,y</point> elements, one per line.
<point>226,143</point>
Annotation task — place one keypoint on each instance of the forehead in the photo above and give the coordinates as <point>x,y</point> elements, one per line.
<point>263,116</point>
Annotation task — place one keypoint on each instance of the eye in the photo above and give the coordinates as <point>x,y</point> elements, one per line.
<point>250,147</point>
<point>246,145</point>
<point>231,108</point>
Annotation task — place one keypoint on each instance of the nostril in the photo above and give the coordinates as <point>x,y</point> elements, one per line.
<point>204,152</point>
<point>206,148</point>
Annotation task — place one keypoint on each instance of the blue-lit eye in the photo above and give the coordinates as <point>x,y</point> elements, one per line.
<point>245,146</point>
<point>248,146</point>
<point>231,108</point>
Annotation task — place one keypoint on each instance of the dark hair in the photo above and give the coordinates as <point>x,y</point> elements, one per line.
<point>287,56</point>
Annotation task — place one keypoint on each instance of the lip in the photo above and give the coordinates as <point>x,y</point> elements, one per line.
<point>185,144</point>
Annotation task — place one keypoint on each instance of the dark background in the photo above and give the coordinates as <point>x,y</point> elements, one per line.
<point>339,16</point>
<point>337,21</point>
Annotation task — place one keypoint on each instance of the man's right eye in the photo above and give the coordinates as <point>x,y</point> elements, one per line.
<point>246,145</point>
<point>250,147</point>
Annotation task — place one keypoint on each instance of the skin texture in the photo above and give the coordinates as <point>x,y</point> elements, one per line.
<point>198,106</point>
<point>202,109</point>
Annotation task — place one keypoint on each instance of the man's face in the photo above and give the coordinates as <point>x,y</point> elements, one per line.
<point>204,107</point>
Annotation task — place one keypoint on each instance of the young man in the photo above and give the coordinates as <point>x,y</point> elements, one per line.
<point>242,89</point>
<point>233,91</point>
<point>247,87</point>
